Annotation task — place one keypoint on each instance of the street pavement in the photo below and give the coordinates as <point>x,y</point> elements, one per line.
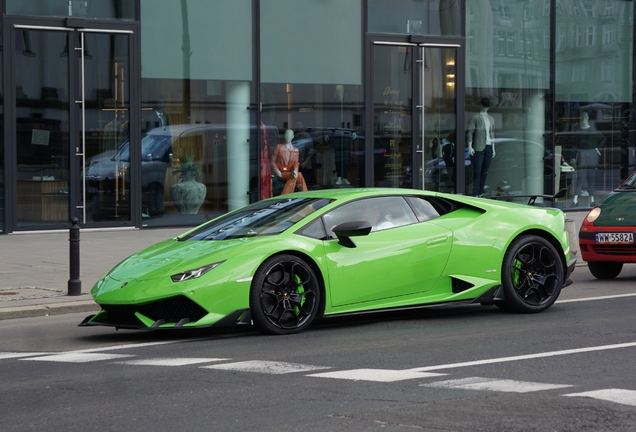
<point>36,266</point>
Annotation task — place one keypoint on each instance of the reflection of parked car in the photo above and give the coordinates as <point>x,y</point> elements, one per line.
<point>110,171</point>
<point>607,161</point>
<point>606,237</point>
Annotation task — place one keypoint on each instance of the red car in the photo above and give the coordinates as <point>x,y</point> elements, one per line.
<point>606,237</point>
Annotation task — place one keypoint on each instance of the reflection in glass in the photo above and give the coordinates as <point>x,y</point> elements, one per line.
<point>508,62</point>
<point>195,95</point>
<point>102,9</point>
<point>106,73</point>
<point>314,90</point>
<point>42,128</point>
<point>392,92</point>
<point>434,18</point>
<point>593,120</point>
<point>439,119</point>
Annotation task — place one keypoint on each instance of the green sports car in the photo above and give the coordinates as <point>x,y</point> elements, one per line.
<point>281,263</point>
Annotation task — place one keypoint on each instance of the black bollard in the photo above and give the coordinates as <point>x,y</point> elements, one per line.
<point>74,283</point>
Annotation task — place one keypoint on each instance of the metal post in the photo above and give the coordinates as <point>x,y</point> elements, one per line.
<point>74,283</point>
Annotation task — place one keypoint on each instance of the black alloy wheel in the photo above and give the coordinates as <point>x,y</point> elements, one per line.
<point>532,275</point>
<point>285,295</point>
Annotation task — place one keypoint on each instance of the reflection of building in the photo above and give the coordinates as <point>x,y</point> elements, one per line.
<point>92,80</point>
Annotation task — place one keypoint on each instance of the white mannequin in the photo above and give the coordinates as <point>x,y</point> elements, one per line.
<point>483,112</point>
<point>584,126</point>
<point>585,117</point>
<point>481,146</point>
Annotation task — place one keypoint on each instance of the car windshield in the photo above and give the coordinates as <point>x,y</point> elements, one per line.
<point>152,147</point>
<point>630,183</point>
<point>258,219</point>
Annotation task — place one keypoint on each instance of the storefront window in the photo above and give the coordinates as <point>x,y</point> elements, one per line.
<point>593,100</point>
<point>2,180</point>
<point>97,9</point>
<point>196,91</point>
<point>507,81</point>
<point>311,77</point>
<point>428,17</point>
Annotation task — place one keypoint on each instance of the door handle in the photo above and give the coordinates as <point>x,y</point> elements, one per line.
<point>437,240</point>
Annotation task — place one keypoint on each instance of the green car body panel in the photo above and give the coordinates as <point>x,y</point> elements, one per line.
<point>413,265</point>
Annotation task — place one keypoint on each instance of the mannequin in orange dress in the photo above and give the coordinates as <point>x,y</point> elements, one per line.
<point>285,165</point>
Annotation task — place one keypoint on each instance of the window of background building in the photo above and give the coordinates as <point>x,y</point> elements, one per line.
<point>103,9</point>
<point>433,18</point>
<point>516,82</point>
<point>2,180</point>
<point>311,76</point>
<point>593,101</point>
<point>196,60</point>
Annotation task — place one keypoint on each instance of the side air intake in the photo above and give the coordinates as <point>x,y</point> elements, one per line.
<point>460,285</point>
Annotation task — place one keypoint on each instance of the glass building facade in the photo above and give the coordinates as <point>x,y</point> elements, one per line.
<point>151,113</point>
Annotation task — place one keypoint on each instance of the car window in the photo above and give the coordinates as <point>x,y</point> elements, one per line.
<point>314,229</point>
<point>268,217</point>
<point>630,183</point>
<point>381,212</point>
<point>424,209</point>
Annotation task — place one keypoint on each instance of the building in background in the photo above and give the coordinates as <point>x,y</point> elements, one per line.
<point>112,108</point>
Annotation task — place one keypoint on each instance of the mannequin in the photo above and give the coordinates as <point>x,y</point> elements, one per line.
<point>481,145</point>
<point>587,159</point>
<point>285,165</point>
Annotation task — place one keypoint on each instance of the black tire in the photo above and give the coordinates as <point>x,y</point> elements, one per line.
<point>604,270</point>
<point>285,295</point>
<point>532,275</point>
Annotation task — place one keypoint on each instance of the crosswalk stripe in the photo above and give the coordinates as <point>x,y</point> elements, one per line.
<point>510,386</point>
<point>72,357</point>
<point>625,397</point>
<point>378,375</point>
<point>170,361</point>
<point>269,367</point>
<point>12,355</point>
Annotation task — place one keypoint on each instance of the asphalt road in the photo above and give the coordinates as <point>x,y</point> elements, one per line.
<point>467,368</point>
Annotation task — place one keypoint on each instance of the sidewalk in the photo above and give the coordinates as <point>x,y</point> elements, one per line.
<point>35,266</point>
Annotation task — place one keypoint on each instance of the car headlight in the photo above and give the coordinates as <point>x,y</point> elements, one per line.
<point>593,214</point>
<point>194,273</point>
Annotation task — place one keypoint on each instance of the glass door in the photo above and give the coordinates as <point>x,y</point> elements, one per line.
<point>437,146</point>
<point>103,151</point>
<point>71,90</point>
<point>415,115</point>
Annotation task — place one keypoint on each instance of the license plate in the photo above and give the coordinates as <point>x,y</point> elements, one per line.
<point>615,238</point>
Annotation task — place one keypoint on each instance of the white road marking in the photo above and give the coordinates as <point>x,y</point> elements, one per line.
<point>171,361</point>
<point>596,298</point>
<point>71,357</point>
<point>10,355</point>
<point>270,367</point>
<point>378,375</point>
<point>510,386</point>
<point>128,346</point>
<point>625,397</point>
<point>525,357</point>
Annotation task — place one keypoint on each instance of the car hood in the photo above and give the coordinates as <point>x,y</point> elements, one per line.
<point>618,209</point>
<point>172,256</point>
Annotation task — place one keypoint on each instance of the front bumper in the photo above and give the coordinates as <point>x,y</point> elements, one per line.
<point>177,312</point>
<point>592,251</point>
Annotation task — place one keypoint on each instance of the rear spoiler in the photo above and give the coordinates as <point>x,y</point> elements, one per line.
<point>533,197</point>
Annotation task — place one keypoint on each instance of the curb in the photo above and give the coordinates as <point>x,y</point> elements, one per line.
<point>47,310</point>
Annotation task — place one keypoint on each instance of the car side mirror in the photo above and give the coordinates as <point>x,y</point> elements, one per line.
<point>346,230</point>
